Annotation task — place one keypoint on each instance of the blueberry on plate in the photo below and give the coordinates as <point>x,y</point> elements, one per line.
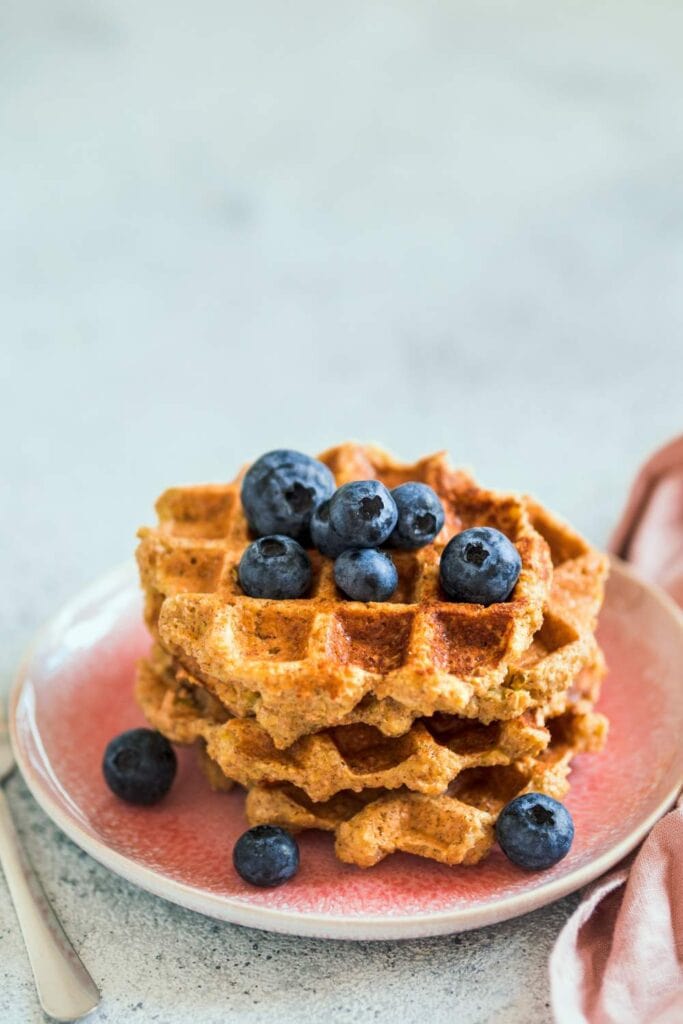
<point>534,831</point>
<point>275,567</point>
<point>139,766</point>
<point>479,566</point>
<point>420,516</point>
<point>323,536</point>
<point>266,856</point>
<point>363,513</point>
<point>365,574</point>
<point>280,491</point>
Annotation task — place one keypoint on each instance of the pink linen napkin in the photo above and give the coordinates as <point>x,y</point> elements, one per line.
<point>619,958</point>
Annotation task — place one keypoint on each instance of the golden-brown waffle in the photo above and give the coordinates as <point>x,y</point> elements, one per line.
<point>456,827</point>
<point>427,759</point>
<point>348,757</point>
<point>301,666</point>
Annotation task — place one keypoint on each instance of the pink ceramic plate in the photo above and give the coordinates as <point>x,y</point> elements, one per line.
<point>74,693</point>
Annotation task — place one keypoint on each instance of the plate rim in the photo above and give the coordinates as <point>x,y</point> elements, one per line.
<point>314,925</point>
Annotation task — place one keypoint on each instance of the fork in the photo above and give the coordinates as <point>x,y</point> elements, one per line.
<point>65,989</point>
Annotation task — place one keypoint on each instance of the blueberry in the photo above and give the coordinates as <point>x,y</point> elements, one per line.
<point>420,516</point>
<point>366,575</point>
<point>480,566</point>
<point>280,491</point>
<point>534,831</point>
<point>275,567</point>
<point>139,766</point>
<point>266,856</point>
<point>323,536</point>
<point>363,513</point>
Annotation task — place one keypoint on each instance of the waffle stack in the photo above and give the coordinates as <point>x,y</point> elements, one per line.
<point>403,725</point>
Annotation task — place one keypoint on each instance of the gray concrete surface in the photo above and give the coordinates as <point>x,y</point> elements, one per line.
<point>434,225</point>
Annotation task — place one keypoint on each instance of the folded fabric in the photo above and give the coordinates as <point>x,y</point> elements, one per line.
<point>619,958</point>
<point>650,533</point>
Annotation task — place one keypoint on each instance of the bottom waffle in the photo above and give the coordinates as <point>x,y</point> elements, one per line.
<point>435,791</point>
<point>455,827</point>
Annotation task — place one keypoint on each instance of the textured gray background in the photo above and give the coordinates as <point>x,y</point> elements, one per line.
<point>226,229</point>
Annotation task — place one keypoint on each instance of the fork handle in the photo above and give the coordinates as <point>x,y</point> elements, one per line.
<point>65,989</point>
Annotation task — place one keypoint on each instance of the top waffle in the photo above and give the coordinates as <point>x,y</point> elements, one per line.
<point>302,665</point>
